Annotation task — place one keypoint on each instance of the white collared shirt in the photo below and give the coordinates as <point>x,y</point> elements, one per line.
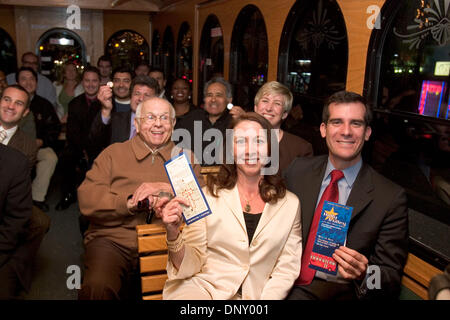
<point>10,132</point>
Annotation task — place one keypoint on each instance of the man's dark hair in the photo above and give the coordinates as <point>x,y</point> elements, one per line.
<point>104,58</point>
<point>21,69</point>
<point>145,81</point>
<point>18,87</point>
<point>29,53</point>
<point>123,69</point>
<point>91,69</point>
<point>346,97</point>
<point>157,70</point>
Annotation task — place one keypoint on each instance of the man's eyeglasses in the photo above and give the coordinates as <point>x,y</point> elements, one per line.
<point>151,118</point>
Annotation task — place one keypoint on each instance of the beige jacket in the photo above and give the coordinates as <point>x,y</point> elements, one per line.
<point>218,259</point>
<point>116,173</point>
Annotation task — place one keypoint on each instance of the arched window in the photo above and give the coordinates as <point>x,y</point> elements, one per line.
<point>248,56</point>
<point>156,50</point>
<point>8,60</point>
<point>168,50</point>
<point>313,55</point>
<point>211,53</point>
<point>127,48</point>
<point>58,46</point>
<point>407,81</point>
<point>184,52</point>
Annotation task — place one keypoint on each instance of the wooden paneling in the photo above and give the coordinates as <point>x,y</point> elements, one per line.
<point>134,5</point>
<point>116,21</point>
<point>33,22</point>
<point>356,16</point>
<point>7,21</point>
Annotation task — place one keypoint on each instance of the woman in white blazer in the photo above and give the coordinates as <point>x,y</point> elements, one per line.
<point>250,246</point>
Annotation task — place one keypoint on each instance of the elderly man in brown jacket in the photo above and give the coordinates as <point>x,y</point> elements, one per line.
<point>123,174</point>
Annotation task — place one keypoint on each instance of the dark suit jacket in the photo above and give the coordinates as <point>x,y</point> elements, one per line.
<point>118,130</point>
<point>79,122</point>
<point>47,122</point>
<point>379,224</point>
<point>25,144</point>
<point>15,204</point>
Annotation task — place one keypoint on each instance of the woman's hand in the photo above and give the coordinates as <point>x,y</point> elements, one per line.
<point>170,213</point>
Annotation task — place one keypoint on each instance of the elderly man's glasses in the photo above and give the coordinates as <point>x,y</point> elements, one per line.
<point>151,118</point>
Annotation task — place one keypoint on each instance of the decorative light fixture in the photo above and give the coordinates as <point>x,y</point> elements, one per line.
<point>114,3</point>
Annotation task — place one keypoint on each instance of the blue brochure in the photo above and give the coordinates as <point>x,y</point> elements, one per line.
<point>331,234</point>
<point>185,185</point>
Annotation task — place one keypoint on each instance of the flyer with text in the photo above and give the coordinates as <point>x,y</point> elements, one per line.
<point>331,234</point>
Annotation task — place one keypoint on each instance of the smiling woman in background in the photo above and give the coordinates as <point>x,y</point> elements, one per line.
<point>180,95</point>
<point>250,246</point>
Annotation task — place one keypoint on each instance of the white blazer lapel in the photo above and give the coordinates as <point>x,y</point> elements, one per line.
<point>232,201</point>
<point>268,213</point>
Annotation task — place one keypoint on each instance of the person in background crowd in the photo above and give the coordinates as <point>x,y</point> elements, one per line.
<point>78,153</point>
<point>214,115</point>
<point>47,131</point>
<point>158,75</point>
<point>66,89</point>
<point>274,102</point>
<point>108,198</point>
<point>249,247</point>
<point>45,87</point>
<point>378,230</point>
<point>104,65</point>
<point>180,96</point>
<point>122,78</point>
<point>109,127</point>
<point>142,69</point>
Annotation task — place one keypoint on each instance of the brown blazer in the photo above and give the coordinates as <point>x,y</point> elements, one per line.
<point>25,144</point>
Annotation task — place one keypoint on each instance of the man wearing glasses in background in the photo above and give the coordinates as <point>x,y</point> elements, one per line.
<point>123,174</point>
<point>45,87</point>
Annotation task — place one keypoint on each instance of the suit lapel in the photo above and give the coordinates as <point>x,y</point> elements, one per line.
<point>361,194</point>
<point>312,182</point>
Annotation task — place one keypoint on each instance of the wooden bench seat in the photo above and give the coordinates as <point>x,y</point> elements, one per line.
<point>417,275</point>
<point>152,249</point>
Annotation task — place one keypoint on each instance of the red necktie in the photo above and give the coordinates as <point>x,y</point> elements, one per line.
<point>331,193</point>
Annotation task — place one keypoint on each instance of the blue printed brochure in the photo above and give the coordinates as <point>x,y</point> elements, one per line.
<point>331,234</point>
<point>185,184</point>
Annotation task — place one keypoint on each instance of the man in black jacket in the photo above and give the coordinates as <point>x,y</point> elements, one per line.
<point>78,153</point>
<point>109,126</point>
<point>48,128</point>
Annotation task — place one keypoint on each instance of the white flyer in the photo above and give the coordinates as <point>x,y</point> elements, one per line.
<point>185,185</point>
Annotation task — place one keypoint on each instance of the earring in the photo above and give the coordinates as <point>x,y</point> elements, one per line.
<point>171,97</point>
<point>189,97</point>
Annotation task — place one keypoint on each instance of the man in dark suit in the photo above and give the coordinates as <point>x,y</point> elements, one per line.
<point>78,154</point>
<point>378,229</point>
<point>13,108</point>
<point>15,213</point>
<point>108,126</point>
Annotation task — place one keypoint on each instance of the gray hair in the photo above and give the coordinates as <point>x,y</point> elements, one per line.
<point>222,81</point>
<point>139,107</point>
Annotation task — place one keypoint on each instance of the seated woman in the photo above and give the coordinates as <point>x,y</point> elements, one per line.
<point>180,96</point>
<point>250,246</point>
